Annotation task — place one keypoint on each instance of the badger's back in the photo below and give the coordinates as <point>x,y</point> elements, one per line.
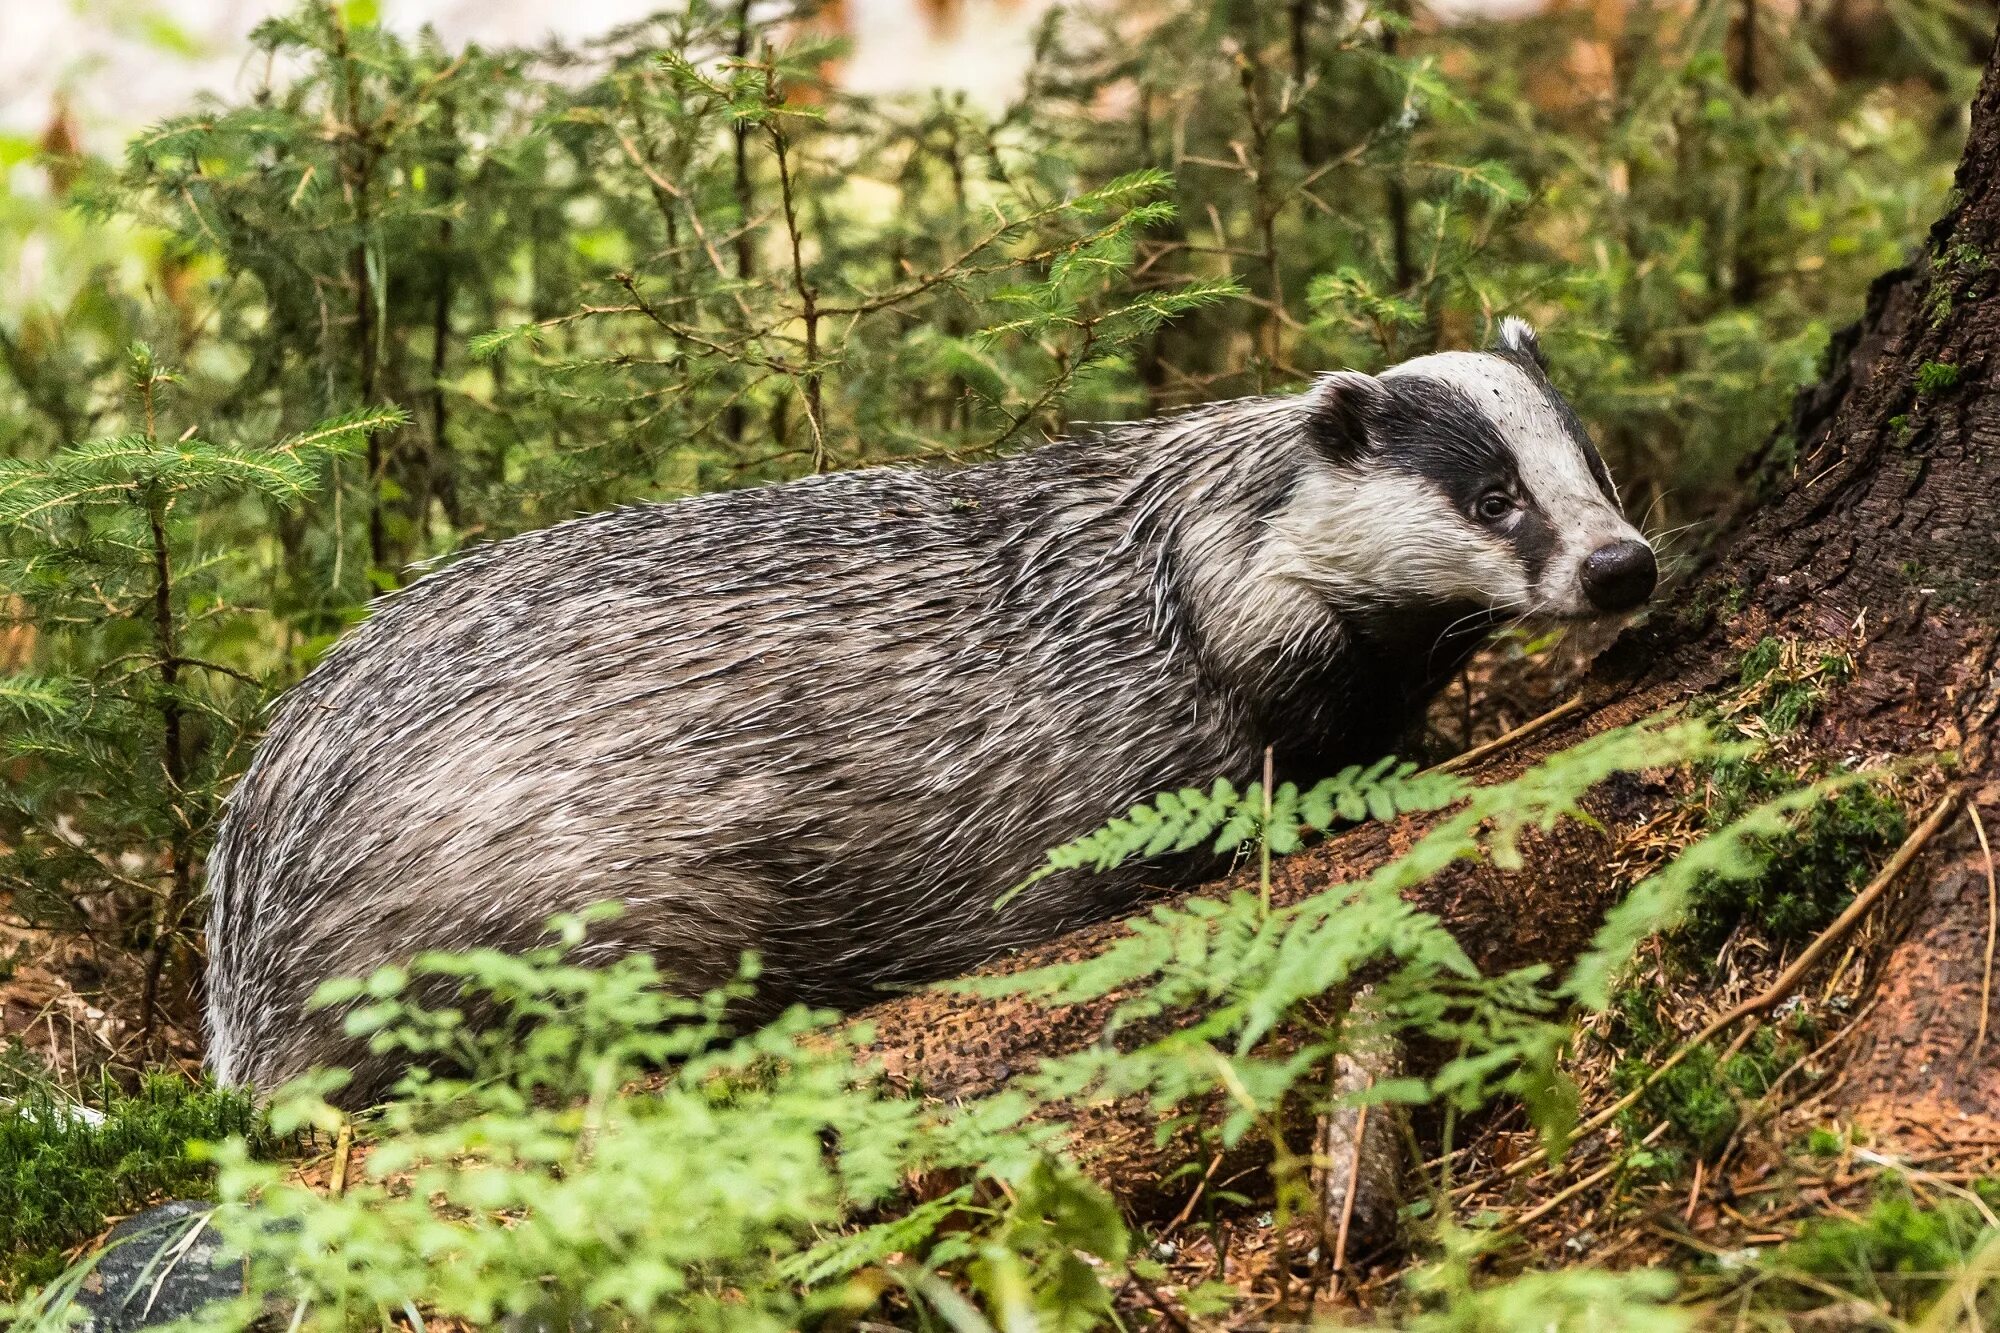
<point>828,721</point>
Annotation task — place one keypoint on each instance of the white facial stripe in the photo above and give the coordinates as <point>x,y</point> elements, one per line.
<point>1389,538</point>
<point>1551,466</point>
<point>1553,470</point>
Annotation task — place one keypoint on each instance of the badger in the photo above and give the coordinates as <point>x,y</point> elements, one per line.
<point>830,721</point>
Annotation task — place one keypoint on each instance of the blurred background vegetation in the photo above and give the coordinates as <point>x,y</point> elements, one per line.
<point>395,295</point>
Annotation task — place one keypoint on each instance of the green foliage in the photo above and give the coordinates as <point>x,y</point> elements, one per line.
<point>1810,872</point>
<point>1238,969</point>
<point>1811,868</point>
<point>1731,854</point>
<point>63,1170</point>
<point>1760,661</point>
<point>1900,1256</point>
<point>1691,1097</point>
<point>1951,273</point>
<point>1936,377</point>
<point>126,743</point>
<point>533,1182</point>
<point>677,258</point>
<point>1786,879</point>
<point>1779,686</point>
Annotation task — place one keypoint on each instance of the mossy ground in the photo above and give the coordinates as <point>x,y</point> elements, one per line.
<point>1812,873</point>
<point>1897,1255</point>
<point>62,1175</point>
<point>1809,876</point>
<point>1702,1099</point>
<point>1734,936</point>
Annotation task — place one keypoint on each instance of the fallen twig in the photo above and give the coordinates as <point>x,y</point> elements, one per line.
<point>1992,924</point>
<point>1518,734</point>
<point>1353,1188</point>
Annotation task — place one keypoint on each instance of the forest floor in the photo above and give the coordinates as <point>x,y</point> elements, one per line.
<point>1708,1175</point>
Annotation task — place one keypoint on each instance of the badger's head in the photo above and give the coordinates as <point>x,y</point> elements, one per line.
<point>1463,479</point>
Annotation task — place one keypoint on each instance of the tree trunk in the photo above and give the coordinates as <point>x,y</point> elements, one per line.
<point>1875,518</point>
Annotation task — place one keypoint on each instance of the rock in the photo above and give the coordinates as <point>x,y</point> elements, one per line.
<point>158,1266</point>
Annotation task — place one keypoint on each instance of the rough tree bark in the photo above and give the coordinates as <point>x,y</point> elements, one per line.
<point>1873,520</point>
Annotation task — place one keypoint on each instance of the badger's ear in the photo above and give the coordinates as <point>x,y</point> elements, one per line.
<point>1343,403</point>
<point>1517,335</point>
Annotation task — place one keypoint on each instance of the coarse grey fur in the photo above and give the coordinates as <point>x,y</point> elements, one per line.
<point>832,720</point>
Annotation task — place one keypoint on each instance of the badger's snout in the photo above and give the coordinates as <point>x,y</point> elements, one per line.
<point>1620,576</point>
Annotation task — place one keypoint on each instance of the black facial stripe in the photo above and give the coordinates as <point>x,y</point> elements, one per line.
<point>1598,472</point>
<point>1567,415</point>
<point>1437,432</point>
<point>1534,539</point>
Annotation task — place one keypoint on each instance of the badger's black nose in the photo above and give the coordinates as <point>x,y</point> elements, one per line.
<point>1620,576</point>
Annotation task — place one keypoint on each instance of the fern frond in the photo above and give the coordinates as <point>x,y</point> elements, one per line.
<point>1226,819</point>
<point>1174,822</point>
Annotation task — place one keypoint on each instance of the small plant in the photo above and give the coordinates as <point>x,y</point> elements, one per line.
<point>1810,871</point>
<point>535,1181</point>
<point>1955,267</point>
<point>1702,1098</point>
<point>1936,377</point>
<point>1900,1256</point>
<point>1780,683</point>
<point>1245,967</point>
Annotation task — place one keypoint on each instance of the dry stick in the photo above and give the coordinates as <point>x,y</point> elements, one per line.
<point>343,1145</point>
<point>1187,1209</point>
<point>1777,990</point>
<point>1591,1181</point>
<point>1158,1302</point>
<point>1992,925</point>
<point>1520,733</point>
<point>173,760</point>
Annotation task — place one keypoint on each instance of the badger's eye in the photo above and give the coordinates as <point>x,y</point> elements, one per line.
<point>1494,506</point>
